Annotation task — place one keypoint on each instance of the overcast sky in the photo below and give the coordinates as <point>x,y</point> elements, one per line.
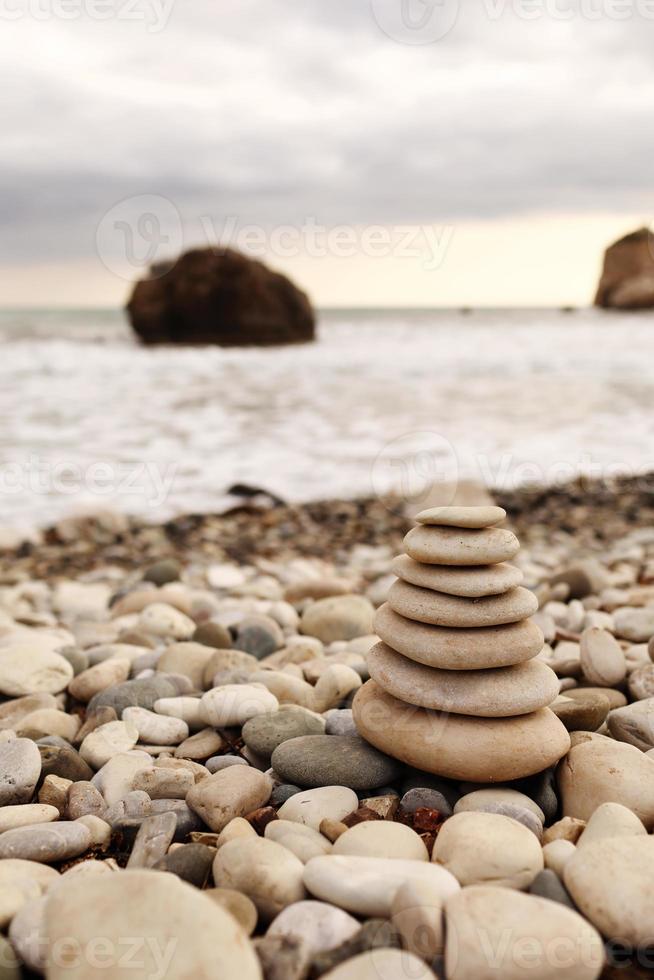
<point>520,134</point>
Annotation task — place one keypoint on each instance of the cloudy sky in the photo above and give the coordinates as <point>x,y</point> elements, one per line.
<point>383,152</point>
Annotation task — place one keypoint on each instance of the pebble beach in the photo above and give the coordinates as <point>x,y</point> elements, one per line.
<point>184,777</point>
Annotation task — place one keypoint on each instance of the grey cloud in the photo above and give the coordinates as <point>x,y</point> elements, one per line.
<point>274,110</point>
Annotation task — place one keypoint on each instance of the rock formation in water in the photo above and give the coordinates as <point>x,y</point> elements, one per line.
<point>627,281</point>
<point>218,296</point>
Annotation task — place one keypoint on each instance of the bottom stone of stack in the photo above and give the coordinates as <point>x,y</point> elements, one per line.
<point>480,750</point>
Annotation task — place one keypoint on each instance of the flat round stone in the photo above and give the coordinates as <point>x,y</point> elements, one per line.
<point>469,517</point>
<point>481,750</point>
<point>425,606</point>
<point>459,649</point>
<point>333,760</point>
<point>473,583</point>
<point>460,546</point>
<point>496,693</point>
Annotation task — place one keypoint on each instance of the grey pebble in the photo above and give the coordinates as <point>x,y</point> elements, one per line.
<point>20,769</point>
<point>333,760</point>
<point>154,837</point>
<point>264,733</point>
<point>283,957</point>
<point>45,842</point>
<point>340,722</point>
<point>547,884</point>
<point>282,793</point>
<point>190,862</point>
<point>218,762</point>
<point>374,934</point>
<point>136,693</point>
<point>259,636</point>
<point>163,571</point>
<point>187,820</point>
<point>77,658</point>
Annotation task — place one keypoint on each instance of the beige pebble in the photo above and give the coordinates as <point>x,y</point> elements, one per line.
<point>610,881</point>
<point>616,698</point>
<point>189,659</point>
<point>459,649</point>
<point>95,679</point>
<point>162,619</point>
<point>383,839</point>
<point>490,848</point>
<point>600,770</point>
<point>634,724</point>
<point>557,853</point>
<point>438,609</point>
<point>381,964</point>
<point>164,784</point>
<point>303,841</point>
<point>48,721</point>
<point>367,886</point>
<point>417,914</point>
<point>237,827</point>
<point>99,830</point>
<point>202,745</point>
<point>312,806</point>
<point>320,926</point>
<point>229,793</point>
<point>186,931</point>
<point>108,740</point>
<point>473,582</point>
<point>467,517</point>
<point>456,546</point>
<point>611,820</point>
<point>495,692</point>
<point>266,872</point>
<point>234,704</point>
<point>459,746</point>
<point>498,932</point>
<point>237,904</point>
<point>602,660</point>
<point>26,814</point>
<point>156,728</point>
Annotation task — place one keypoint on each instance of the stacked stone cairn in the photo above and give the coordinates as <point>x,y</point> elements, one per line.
<point>456,686</point>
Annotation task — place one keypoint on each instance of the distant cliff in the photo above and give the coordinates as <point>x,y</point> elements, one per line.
<point>218,296</point>
<point>627,281</point>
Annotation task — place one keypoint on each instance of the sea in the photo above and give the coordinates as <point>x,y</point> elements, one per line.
<point>384,401</point>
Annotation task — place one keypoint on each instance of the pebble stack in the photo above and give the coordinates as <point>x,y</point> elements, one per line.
<point>455,688</point>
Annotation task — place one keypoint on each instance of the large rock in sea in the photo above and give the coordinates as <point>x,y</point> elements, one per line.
<point>218,296</point>
<point>627,281</point>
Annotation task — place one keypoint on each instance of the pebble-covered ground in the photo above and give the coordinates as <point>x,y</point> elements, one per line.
<point>177,699</point>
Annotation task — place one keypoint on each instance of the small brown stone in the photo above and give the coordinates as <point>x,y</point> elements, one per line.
<point>332,829</point>
<point>383,806</point>
<point>361,815</point>
<point>261,817</point>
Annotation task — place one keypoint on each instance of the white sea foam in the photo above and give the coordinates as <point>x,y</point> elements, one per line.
<point>502,395</point>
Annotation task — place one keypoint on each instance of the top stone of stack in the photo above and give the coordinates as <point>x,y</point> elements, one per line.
<point>455,688</point>
<point>467,517</point>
